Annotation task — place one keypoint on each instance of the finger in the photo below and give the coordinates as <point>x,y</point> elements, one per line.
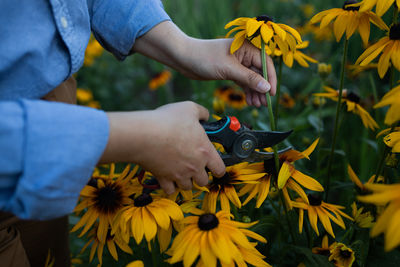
<point>203,113</point>
<point>263,99</point>
<point>167,185</point>
<point>201,178</point>
<point>271,75</point>
<point>248,97</point>
<point>215,163</point>
<point>184,183</point>
<point>249,78</point>
<point>256,99</point>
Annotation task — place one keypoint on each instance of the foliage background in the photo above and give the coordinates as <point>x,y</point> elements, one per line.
<point>124,86</point>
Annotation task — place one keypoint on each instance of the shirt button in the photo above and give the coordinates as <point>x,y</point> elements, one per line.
<point>64,22</point>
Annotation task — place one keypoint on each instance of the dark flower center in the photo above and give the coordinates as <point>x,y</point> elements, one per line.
<point>314,199</point>
<point>269,166</point>
<point>353,97</point>
<point>142,200</point>
<point>224,180</point>
<point>264,18</point>
<point>350,8</point>
<point>235,97</point>
<point>208,221</point>
<point>109,198</point>
<point>394,33</point>
<point>345,254</point>
<point>92,182</point>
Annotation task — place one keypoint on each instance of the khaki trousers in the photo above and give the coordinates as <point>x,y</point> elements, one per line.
<point>26,243</point>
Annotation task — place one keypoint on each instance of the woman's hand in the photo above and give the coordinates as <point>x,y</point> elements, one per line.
<point>169,142</point>
<point>209,60</point>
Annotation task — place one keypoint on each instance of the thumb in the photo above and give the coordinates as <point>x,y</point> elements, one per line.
<point>250,79</point>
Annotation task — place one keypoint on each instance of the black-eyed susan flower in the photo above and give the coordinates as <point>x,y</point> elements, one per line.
<point>104,198</point>
<point>159,79</point>
<point>213,238</point>
<point>389,220</point>
<point>84,95</point>
<point>325,248</point>
<point>135,264</point>
<point>349,19</point>
<point>230,96</point>
<point>296,55</point>
<point>273,34</point>
<point>318,209</point>
<point>355,70</point>
<point>393,140</point>
<point>341,255</point>
<point>318,33</point>
<point>392,99</point>
<point>389,46</point>
<point>224,187</point>
<point>111,241</point>
<point>146,215</point>
<point>381,5</point>
<point>287,101</point>
<point>354,178</point>
<point>362,220</point>
<point>352,101</point>
<point>288,170</point>
<point>93,50</point>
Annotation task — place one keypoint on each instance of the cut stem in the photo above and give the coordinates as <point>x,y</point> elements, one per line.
<point>271,114</point>
<point>336,127</point>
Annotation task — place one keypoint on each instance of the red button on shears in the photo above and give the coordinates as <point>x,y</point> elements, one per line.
<point>235,124</point>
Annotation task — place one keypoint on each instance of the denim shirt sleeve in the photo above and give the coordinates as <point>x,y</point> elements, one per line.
<point>116,24</point>
<point>48,152</point>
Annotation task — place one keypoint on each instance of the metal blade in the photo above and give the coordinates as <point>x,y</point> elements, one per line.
<point>268,139</point>
<point>258,156</point>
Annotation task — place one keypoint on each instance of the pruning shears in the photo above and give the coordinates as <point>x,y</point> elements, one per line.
<point>241,143</point>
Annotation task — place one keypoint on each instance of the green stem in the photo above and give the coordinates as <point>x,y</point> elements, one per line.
<point>287,216</point>
<point>153,253</point>
<point>278,90</point>
<point>271,114</point>
<point>336,128</point>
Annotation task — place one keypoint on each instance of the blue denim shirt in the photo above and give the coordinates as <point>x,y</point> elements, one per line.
<point>48,150</point>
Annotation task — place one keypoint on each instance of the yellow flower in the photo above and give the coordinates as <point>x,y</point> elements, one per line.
<point>324,69</point>
<point>297,55</point>
<point>349,19</point>
<point>354,178</point>
<point>103,198</point>
<point>341,255</point>
<point>391,98</point>
<point>381,5</point>
<point>160,79</point>
<point>84,95</point>
<point>218,105</point>
<point>390,48</point>
<point>147,214</point>
<point>363,220</point>
<point>110,240</point>
<point>93,50</point>
<point>215,237</point>
<point>393,140</point>
<point>319,209</point>
<point>389,221</point>
<point>273,34</point>
<point>230,96</point>
<point>135,264</point>
<point>319,34</point>
<point>287,101</point>
<point>355,70</point>
<point>352,101</point>
<point>224,187</point>
<point>325,248</point>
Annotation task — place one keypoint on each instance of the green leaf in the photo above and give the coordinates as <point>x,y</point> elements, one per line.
<point>310,259</point>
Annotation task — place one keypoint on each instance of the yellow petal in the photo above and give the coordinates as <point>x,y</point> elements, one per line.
<point>284,173</point>
<point>307,181</point>
<point>238,41</point>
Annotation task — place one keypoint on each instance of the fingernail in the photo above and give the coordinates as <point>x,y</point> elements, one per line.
<point>263,86</point>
